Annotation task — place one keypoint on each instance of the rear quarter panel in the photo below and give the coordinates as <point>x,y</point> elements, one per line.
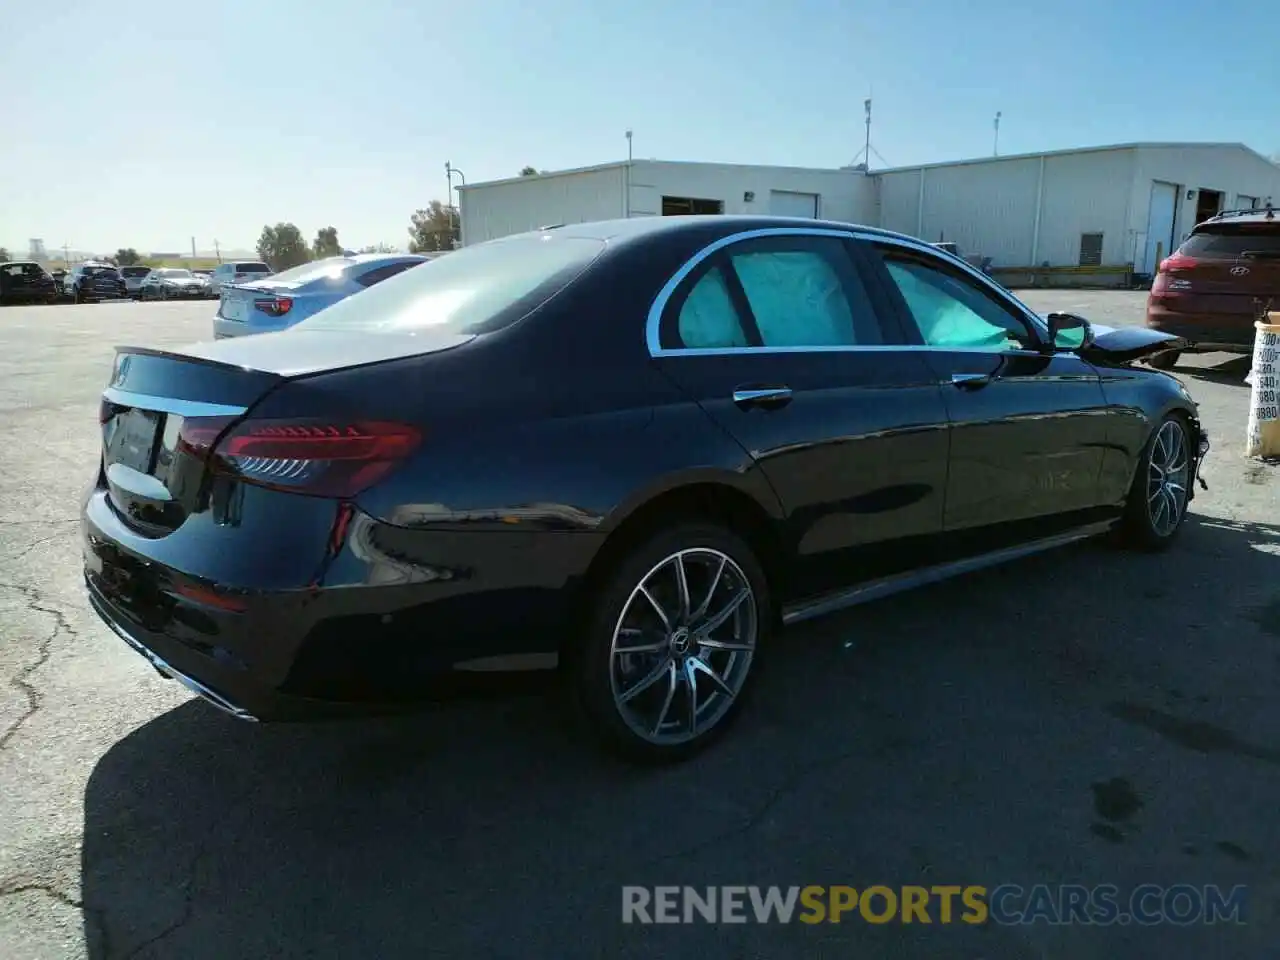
<point>509,446</point>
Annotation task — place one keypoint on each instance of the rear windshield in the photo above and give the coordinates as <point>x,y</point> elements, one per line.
<point>1234,241</point>
<point>473,290</point>
<point>330,266</point>
<point>135,271</point>
<point>100,272</point>
<point>252,268</point>
<point>174,273</point>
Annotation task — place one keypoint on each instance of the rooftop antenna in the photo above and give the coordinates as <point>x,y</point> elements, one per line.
<point>863,158</point>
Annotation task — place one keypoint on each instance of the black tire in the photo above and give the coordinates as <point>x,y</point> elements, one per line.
<point>1164,361</point>
<point>590,674</point>
<point>1140,526</point>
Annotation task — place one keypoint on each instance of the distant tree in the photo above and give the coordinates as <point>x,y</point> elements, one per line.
<point>380,248</point>
<point>529,172</point>
<point>127,257</point>
<point>433,228</point>
<point>326,243</point>
<point>4,255</point>
<point>282,246</point>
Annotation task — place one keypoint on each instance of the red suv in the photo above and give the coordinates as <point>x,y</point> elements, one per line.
<point>1225,276</point>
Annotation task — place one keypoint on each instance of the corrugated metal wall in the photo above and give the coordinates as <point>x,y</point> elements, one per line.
<point>988,208</point>
<point>501,209</point>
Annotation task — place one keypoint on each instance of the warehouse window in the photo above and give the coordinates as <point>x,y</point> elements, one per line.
<point>1090,249</point>
<point>683,206</point>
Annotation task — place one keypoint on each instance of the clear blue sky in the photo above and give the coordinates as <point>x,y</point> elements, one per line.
<point>142,124</point>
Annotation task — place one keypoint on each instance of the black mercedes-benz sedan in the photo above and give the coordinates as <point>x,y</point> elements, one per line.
<point>632,450</point>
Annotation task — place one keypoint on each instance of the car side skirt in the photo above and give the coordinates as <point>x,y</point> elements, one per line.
<point>898,583</point>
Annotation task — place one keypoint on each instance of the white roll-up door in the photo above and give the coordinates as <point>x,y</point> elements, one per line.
<point>785,203</point>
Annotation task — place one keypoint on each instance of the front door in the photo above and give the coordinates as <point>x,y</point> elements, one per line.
<point>779,341</point>
<point>1029,425</point>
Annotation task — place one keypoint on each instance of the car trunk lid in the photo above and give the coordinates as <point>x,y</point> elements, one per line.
<point>164,410</point>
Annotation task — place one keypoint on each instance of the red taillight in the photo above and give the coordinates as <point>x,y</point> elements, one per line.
<point>276,306</point>
<point>322,458</point>
<point>1178,261</point>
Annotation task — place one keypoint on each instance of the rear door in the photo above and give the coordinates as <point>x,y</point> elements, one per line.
<point>780,341</point>
<point>1029,426</point>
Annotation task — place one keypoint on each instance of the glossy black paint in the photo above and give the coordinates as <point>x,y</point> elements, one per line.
<point>549,441</point>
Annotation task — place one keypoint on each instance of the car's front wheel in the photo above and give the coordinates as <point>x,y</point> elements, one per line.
<point>672,642</point>
<point>1158,499</point>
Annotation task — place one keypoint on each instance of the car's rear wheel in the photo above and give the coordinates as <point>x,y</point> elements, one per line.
<point>1164,361</point>
<point>671,643</point>
<point>1158,500</point>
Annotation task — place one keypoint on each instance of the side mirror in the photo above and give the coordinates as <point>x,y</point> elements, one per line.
<point>1067,331</point>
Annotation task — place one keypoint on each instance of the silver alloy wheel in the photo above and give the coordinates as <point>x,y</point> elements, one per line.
<point>1168,473</point>
<point>683,645</point>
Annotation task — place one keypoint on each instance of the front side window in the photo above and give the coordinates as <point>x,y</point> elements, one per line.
<point>951,312</point>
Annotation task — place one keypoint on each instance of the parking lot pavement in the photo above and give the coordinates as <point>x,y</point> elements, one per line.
<point>1090,716</point>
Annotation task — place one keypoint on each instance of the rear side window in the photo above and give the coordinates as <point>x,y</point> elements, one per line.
<point>787,292</point>
<point>1234,241</point>
<point>708,319</point>
<point>474,290</point>
<point>384,272</point>
<point>800,299</point>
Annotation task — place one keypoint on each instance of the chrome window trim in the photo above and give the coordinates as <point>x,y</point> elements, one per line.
<point>653,324</point>
<point>183,408</point>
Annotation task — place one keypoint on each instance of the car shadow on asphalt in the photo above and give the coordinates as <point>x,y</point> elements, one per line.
<point>485,829</point>
<point>1230,372</point>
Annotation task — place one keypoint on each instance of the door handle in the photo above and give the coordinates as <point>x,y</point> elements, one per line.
<point>767,398</point>
<point>970,381</point>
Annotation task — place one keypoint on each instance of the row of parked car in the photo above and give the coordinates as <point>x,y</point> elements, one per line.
<point>26,281</point>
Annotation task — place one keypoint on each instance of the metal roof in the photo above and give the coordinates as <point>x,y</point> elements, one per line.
<point>1106,148</point>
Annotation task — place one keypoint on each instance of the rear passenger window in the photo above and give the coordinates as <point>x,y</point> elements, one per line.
<point>800,299</point>
<point>708,318</point>
<point>378,274</point>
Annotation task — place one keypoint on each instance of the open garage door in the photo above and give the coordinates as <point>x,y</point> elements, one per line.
<point>785,203</point>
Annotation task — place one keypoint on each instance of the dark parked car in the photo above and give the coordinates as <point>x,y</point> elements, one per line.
<point>25,281</point>
<point>1220,280</point>
<point>632,449</point>
<point>95,281</point>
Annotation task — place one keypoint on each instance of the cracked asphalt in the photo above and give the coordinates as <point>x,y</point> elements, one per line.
<point>1090,716</point>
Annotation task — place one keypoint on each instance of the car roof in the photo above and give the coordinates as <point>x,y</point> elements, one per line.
<point>18,263</point>
<point>1265,214</point>
<point>640,228</point>
<point>373,259</point>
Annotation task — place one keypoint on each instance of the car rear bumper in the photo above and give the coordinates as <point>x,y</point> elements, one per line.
<point>1228,332</point>
<point>394,617</point>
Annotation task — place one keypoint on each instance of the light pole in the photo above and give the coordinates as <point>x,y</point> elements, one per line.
<point>626,208</point>
<point>449,171</point>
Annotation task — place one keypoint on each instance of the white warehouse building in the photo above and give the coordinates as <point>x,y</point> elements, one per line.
<point>1094,214</point>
